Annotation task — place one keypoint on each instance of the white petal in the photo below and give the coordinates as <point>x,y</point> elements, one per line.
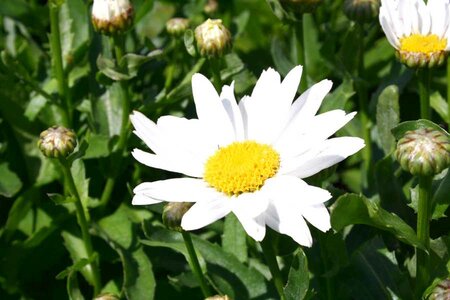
<point>249,204</point>
<point>424,18</point>
<point>255,227</point>
<point>172,163</point>
<point>438,11</point>
<point>298,140</point>
<point>146,130</point>
<point>232,109</point>
<point>390,35</point>
<point>318,216</point>
<point>405,17</point>
<point>325,155</point>
<point>177,190</point>
<point>205,212</point>
<point>285,221</point>
<point>139,199</point>
<point>211,111</point>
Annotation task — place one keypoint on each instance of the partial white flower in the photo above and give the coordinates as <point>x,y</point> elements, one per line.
<point>112,16</point>
<point>419,32</point>
<point>247,158</point>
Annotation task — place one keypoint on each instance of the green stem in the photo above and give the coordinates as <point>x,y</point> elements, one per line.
<point>423,233</point>
<point>271,260</point>
<point>298,30</point>
<point>55,43</point>
<point>424,92</point>
<point>214,64</point>
<point>363,100</point>
<point>195,265</point>
<point>82,222</point>
<point>448,92</point>
<point>118,45</point>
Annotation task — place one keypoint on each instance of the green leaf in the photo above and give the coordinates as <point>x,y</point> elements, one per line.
<point>400,130</point>
<point>81,182</point>
<point>355,209</point>
<point>73,290</point>
<point>339,97</point>
<point>234,238</point>
<point>278,50</point>
<point>107,111</point>
<point>439,104</point>
<point>117,229</point>
<point>61,199</point>
<point>388,116</point>
<point>10,183</point>
<point>189,42</point>
<point>20,208</point>
<point>298,278</point>
<point>75,245</point>
<point>99,146</point>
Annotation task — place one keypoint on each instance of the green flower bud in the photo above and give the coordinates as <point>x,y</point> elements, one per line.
<point>177,26</point>
<point>213,39</point>
<point>57,141</point>
<point>107,296</point>
<point>361,10</point>
<point>112,17</point>
<point>423,152</point>
<point>173,213</point>
<point>421,60</point>
<point>300,6</point>
<point>441,291</point>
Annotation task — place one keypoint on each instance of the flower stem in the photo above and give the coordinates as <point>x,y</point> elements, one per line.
<point>448,93</point>
<point>298,30</point>
<point>424,92</point>
<point>82,222</point>
<point>122,91</point>
<point>423,233</point>
<point>363,100</point>
<point>57,61</point>
<point>271,260</point>
<point>195,265</point>
<point>214,64</point>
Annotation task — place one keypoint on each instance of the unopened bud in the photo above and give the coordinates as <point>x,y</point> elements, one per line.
<point>441,291</point>
<point>177,26</point>
<point>361,10</point>
<point>213,38</point>
<point>300,6</point>
<point>173,213</point>
<point>211,7</point>
<point>57,141</point>
<point>423,151</point>
<point>218,297</point>
<point>111,17</point>
<point>107,296</point>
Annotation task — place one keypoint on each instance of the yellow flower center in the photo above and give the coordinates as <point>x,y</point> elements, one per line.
<point>241,167</point>
<point>423,43</point>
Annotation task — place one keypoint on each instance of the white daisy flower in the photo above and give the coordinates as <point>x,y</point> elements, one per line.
<point>419,32</point>
<point>247,158</point>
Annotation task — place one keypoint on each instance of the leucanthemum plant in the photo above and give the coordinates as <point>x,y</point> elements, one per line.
<point>248,158</point>
<point>419,31</point>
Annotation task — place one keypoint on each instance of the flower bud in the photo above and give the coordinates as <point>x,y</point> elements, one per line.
<point>211,7</point>
<point>300,6</point>
<point>213,39</point>
<point>218,297</point>
<point>423,152</point>
<point>107,296</point>
<point>441,291</point>
<point>361,10</point>
<point>57,141</point>
<point>177,26</point>
<point>173,212</point>
<point>112,17</point>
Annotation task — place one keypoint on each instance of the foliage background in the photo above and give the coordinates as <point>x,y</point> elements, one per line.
<point>139,258</point>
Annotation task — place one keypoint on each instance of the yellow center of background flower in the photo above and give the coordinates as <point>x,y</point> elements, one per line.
<point>241,167</point>
<point>423,43</point>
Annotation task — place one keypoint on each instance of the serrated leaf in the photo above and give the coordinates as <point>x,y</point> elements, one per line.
<point>339,97</point>
<point>388,116</point>
<point>400,130</point>
<point>355,209</point>
<point>234,238</point>
<point>298,278</point>
<point>60,199</point>
<point>99,146</point>
<point>10,183</point>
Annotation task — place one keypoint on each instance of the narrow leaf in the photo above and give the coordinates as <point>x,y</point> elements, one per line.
<point>298,278</point>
